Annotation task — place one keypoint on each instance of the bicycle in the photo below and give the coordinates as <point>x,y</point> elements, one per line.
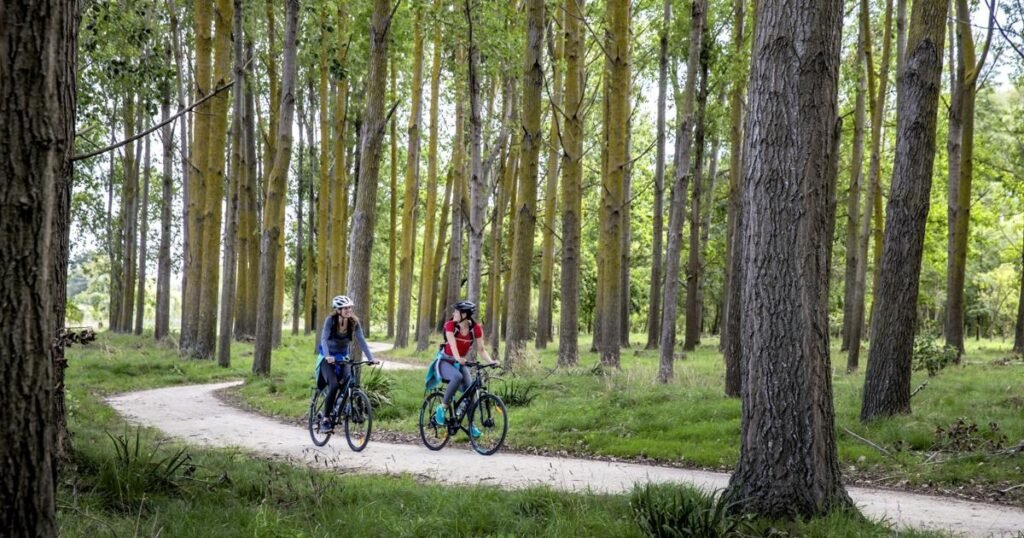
<point>351,403</point>
<point>487,414</point>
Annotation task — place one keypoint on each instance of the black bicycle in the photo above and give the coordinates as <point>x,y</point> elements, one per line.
<point>350,404</point>
<point>488,418</point>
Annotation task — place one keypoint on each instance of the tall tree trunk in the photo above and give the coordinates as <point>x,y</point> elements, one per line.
<point>788,466</point>
<point>198,179</point>
<point>872,207</point>
<point>453,286</point>
<point>163,271</point>
<point>140,300</point>
<point>339,194</point>
<point>324,292</point>
<point>129,216</point>
<point>654,304</point>
<point>300,186</point>
<point>278,183</point>
<point>310,285</point>
<point>670,297</point>
<point>1018,334</point>
<point>37,122</point>
<point>437,302</point>
<point>251,235</point>
<point>693,270</point>
<point>183,148</point>
<point>115,231</point>
<point>887,385</point>
<point>237,179</point>
<point>733,288</point>
<point>526,203</point>
<point>374,123</point>
<point>412,167</point>
<point>547,263</point>
<point>393,200</point>
<point>572,172</point>
<point>504,187</point>
<point>853,194</point>
<point>967,92</point>
<point>477,180</point>
<point>425,323</point>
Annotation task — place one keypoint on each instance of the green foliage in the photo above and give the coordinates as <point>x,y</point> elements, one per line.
<point>72,313</point>
<point>931,356</point>
<point>377,386</point>
<point>139,470</point>
<point>964,436</point>
<point>517,392</point>
<point>668,511</point>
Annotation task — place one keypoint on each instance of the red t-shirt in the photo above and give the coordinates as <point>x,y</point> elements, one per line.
<point>463,341</point>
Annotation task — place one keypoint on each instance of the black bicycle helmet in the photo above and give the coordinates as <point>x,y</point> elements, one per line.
<point>465,306</point>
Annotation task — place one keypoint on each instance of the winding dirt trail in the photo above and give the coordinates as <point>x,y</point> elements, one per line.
<point>196,415</point>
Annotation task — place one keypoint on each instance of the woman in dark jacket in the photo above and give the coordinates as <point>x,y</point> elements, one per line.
<point>340,327</point>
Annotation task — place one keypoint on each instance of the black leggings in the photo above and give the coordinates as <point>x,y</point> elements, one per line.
<point>333,382</point>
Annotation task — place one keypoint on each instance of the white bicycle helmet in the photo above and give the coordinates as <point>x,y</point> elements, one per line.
<point>342,301</point>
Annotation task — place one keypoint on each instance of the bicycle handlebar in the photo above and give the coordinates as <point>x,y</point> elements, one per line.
<point>356,363</point>
<point>478,365</point>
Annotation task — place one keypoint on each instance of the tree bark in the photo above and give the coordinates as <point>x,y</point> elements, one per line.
<point>654,306</point>
<point>37,122</point>
<point>425,323</point>
<point>526,204</point>
<point>339,215</point>
<point>183,149</point>
<point>278,182</point>
<point>734,263</point>
<point>129,218</point>
<point>853,194</point>
<point>693,270</point>
<point>411,189</point>
<point>324,197</point>
<point>374,119</point>
<point>453,285</point>
<point>238,170</point>
<point>250,234</point>
<point>140,300</point>
<point>967,92</point>
<point>163,272</point>
<point>300,187</point>
<point>547,264</point>
<point>477,180</point>
<point>788,466</point>
<point>670,297</point>
<point>393,214</point>
<point>887,384</point>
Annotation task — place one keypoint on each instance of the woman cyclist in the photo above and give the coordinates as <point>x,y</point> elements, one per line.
<point>460,334</point>
<point>339,329</point>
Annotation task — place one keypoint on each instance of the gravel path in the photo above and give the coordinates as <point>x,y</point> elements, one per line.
<point>196,415</point>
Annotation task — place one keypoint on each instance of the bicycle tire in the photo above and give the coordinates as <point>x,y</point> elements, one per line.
<point>317,406</point>
<point>490,417</point>
<point>359,421</point>
<point>435,436</point>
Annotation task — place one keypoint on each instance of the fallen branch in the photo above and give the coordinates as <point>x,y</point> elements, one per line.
<point>919,389</point>
<point>1011,488</point>
<point>869,443</point>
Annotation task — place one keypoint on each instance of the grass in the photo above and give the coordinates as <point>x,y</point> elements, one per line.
<point>227,493</point>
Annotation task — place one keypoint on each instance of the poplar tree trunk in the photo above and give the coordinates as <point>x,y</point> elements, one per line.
<point>853,194</point>
<point>114,236</point>
<point>788,466</point>
<point>238,170</point>
<point>693,270</point>
<point>872,207</point>
<point>887,384</point>
<point>374,123</point>
<point>300,186</point>
<point>311,219</point>
<point>477,180</point>
<point>495,312</point>
<point>190,326</point>
<point>324,293</point>
<point>547,263</point>
<point>339,215</point>
<point>250,236</point>
<point>733,256</point>
<point>568,330</point>
<point>129,218</point>
<point>163,272</point>
<point>278,182</point>
<point>436,303</point>
<point>184,143</point>
<point>37,125</point>
<point>670,297</point>
<point>393,213</point>
<point>206,336</point>
<point>654,305</point>
<point>967,92</point>
<point>453,285</point>
<point>425,321</point>
<point>526,204</point>
<point>140,301</point>
<point>411,190</point>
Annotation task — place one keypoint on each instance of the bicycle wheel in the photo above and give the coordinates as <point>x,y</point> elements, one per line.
<point>358,421</point>
<point>490,419</point>
<point>434,435</point>
<point>317,410</point>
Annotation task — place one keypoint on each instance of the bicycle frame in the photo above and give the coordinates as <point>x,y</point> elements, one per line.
<point>477,387</point>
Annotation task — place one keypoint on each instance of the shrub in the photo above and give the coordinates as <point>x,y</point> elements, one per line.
<point>377,386</point>
<point>664,511</point>
<point>139,471</point>
<point>930,356</point>
<point>517,392</point>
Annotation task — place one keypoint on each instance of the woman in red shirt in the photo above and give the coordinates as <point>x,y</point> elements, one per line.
<point>460,333</point>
